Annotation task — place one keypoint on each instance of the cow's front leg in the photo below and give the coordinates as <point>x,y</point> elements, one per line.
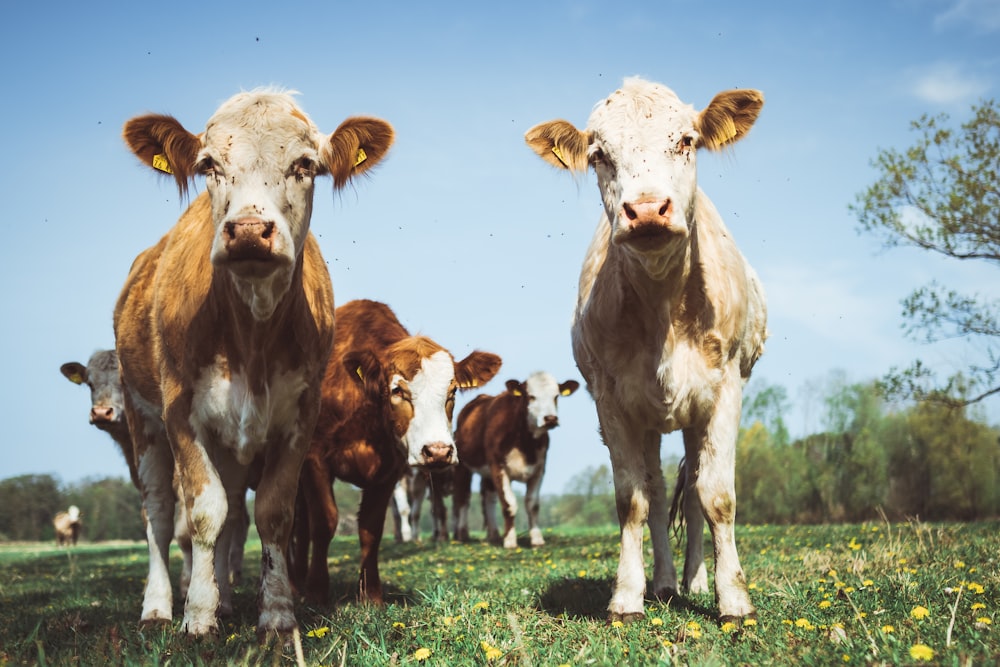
<point>533,505</point>
<point>488,501</point>
<point>371,521</point>
<point>274,511</point>
<point>716,487</point>
<point>632,503</point>
<point>156,466</point>
<point>508,504</point>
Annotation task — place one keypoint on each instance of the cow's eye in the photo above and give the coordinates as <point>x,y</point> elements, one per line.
<point>303,168</point>
<point>399,393</point>
<point>687,144</point>
<point>597,156</point>
<point>207,167</point>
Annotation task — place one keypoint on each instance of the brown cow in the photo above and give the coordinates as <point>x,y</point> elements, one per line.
<point>387,404</point>
<point>669,321</point>
<point>223,332</point>
<point>505,438</point>
<point>67,526</point>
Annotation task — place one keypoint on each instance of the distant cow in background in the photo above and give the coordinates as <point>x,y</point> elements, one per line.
<point>505,438</point>
<point>68,525</point>
<point>107,403</point>
<point>669,321</point>
<point>387,405</point>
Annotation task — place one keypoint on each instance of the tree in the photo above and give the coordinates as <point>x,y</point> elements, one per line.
<point>28,504</point>
<point>943,195</point>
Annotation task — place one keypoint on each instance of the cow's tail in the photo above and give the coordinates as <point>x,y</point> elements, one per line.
<point>676,517</point>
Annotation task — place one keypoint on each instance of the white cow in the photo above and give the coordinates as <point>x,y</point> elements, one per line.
<point>669,321</point>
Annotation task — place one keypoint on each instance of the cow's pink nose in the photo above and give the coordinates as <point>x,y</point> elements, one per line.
<point>249,238</point>
<point>648,212</point>
<point>437,455</point>
<point>100,414</point>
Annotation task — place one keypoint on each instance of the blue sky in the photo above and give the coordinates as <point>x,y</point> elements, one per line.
<point>463,231</point>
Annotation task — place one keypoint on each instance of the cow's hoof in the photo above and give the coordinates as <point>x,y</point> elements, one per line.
<point>154,622</point>
<point>627,617</point>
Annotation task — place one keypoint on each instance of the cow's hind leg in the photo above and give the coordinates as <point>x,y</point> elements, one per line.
<point>664,571</point>
<point>156,465</point>
<point>695,573</point>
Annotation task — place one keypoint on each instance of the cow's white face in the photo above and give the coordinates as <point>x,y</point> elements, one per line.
<point>422,406</point>
<point>541,394</point>
<point>260,156</point>
<point>642,148</point>
<point>641,143</point>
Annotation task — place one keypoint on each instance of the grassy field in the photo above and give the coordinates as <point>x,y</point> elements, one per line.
<point>859,594</point>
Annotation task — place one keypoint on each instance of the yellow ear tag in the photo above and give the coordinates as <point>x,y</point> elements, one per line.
<point>565,392</point>
<point>362,156</point>
<point>76,378</point>
<point>360,374</point>
<point>517,392</point>
<point>558,154</point>
<point>468,385</point>
<point>160,162</point>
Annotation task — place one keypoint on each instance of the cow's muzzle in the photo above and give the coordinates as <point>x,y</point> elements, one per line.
<point>248,239</point>
<point>437,455</point>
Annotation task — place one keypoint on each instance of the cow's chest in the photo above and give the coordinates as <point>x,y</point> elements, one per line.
<point>243,414</point>
<point>520,468</point>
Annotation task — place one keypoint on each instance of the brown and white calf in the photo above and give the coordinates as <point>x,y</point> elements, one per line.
<point>67,526</point>
<point>505,438</point>
<point>107,412</point>
<point>223,331</point>
<point>669,321</point>
<point>388,399</point>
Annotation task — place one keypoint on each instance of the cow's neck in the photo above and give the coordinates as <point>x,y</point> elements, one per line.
<point>263,296</point>
<point>662,284</point>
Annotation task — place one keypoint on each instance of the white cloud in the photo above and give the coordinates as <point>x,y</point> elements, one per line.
<point>947,83</point>
<point>982,15</point>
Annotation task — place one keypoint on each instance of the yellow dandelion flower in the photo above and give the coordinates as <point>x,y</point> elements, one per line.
<point>752,586</point>
<point>785,621</point>
<point>749,622</point>
<point>849,589</point>
<point>318,632</point>
<point>867,582</point>
<point>693,625</point>
<point>959,565</point>
<point>888,629</point>
<point>978,605</point>
<point>694,634</point>
<point>656,621</point>
<point>421,654</point>
<point>920,612</point>
<point>845,658</point>
<point>397,624</point>
<point>976,588</point>
<point>831,573</point>
<point>581,574</point>
<point>804,624</point>
<point>984,620</point>
<point>728,627</point>
<point>853,544</point>
<point>921,652</point>
<point>825,604</point>
<point>481,605</point>
<point>667,643</point>
<point>492,652</point>
<point>617,624</point>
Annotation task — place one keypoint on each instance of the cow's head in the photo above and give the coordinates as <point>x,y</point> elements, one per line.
<point>416,379</point>
<point>260,155</point>
<point>540,397</point>
<point>641,143</point>
<point>101,374</point>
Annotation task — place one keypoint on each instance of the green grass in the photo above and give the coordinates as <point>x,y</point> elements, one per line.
<point>826,595</point>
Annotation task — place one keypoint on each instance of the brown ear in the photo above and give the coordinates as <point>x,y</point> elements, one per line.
<point>476,369</point>
<point>363,367</point>
<point>162,143</point>
<point>728,117</point>
<point>74,371</point>
<point>356,146</point>
<point>560,144</point>
<point>515,387</point>
<point>568,387</point>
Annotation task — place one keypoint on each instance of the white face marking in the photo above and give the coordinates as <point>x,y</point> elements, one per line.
<point>430,390</point>
<point>240,417</point>
<point>260,156</point>
<point>542,391</point>
<point>643,151</point>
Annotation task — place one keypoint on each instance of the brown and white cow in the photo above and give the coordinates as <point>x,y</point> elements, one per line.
<point>67,526</point>
<point>223,332</point>
<point>387,405</point>
<point>669,321</point>
<point>505,438</point>
<point>107,412</point>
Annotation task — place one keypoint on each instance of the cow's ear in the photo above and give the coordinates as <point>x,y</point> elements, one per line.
<point>568,387</point>
<point>74,371</point>
<point>728,117</point>
<point>560,144</point>
<point>363,367</point>
<point>476,369</point>
<point>515,387</point>
<point>162,143</point>
<point>356,146</point>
